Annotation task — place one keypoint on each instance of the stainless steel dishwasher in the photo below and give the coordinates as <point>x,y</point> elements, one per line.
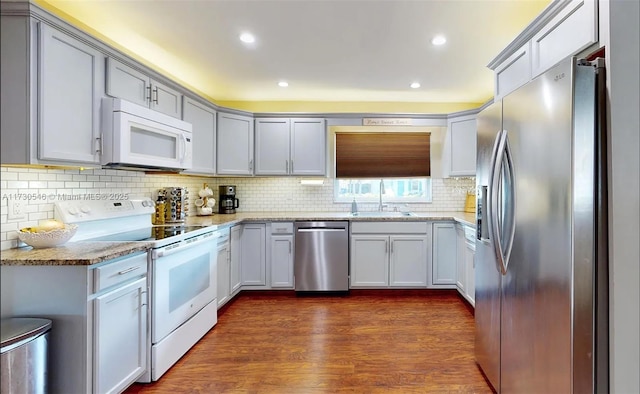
<point>321,256</point>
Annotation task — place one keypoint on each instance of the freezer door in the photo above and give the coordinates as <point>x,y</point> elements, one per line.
<point>537,287</point>
<point>487,308</point>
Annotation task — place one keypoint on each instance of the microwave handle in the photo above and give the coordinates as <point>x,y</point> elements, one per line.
<point>184,147</point>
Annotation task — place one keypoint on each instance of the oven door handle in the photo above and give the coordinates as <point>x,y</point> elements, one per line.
<point>188,243</point>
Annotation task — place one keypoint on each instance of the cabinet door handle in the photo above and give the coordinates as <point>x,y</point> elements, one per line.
<point>386,247</point>
<point>292,166</point>
<point>149,96</point>
<point>289,247</point>
<point>286,165</point>
<point>128,270</point>
<point>391,247</point>
<point>156,92</point>
<point>99,144</point>
<point>250,165</point>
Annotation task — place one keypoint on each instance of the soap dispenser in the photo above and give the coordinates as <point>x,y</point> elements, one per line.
<point>354,207</point>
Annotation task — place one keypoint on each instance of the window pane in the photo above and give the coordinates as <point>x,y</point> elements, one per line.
<point>395,190</point>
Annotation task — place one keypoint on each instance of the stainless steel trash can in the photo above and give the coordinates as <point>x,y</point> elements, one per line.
<point>24,355</point>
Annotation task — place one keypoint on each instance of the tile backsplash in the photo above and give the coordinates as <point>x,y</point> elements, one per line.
<point>38,189</point>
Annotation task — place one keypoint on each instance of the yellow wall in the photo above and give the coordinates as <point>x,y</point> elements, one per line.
<point>257,106</point>
<point>348,107</point>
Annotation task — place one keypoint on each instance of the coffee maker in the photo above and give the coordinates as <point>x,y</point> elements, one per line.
<point>227,203</point>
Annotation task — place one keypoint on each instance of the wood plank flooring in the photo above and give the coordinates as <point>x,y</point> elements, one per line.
<point>366,342</point>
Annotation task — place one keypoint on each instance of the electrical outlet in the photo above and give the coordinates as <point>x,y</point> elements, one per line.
<point>16,210</point>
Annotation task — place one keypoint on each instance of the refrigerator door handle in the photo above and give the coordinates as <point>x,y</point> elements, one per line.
<point>484,220</point>
<point>511,209</point>
<point>494,199</point>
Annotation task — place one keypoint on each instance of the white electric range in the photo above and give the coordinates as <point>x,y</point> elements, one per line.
<point>181,271</point>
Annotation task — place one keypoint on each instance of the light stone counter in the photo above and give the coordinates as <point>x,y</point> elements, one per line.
<point>87,253</point>
<point>230,220</point>
<point>71,253</point>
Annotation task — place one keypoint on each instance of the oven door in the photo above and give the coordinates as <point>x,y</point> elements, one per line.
<point>184,282</point>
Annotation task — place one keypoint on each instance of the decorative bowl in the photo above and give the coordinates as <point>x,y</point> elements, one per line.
<point>47,239</point>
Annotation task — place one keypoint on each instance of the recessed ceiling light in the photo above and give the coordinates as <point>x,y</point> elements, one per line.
<point>438,40</point>
<point>415,85</point>
<point>283,84</point>
<point>247,38</point>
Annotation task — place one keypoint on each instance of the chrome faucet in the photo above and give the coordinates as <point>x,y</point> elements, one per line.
<point>382,191</point>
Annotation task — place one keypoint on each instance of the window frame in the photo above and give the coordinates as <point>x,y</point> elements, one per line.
<point>375,197</point>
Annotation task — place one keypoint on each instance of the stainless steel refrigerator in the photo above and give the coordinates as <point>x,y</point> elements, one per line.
<point>541,250</point>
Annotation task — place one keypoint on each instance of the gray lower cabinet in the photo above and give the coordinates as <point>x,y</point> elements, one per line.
<point>52,84</point>
<point>120,323</point>
<point>369,261</point>
<point>389,254</point>
<point>253,260</point>
<point>223,290</point>
<point>281,255</point>
<point>235,245</point>
<point>465,261</point>
<point>203,119</point>
<point>128,83</point>
<point>234,144</point>
<point>99,331</point>
<point>461,269</point>
<point>443,268</point>
<point>470,264</point>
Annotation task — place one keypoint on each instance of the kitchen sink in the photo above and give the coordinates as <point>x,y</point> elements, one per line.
<point>382,214</point>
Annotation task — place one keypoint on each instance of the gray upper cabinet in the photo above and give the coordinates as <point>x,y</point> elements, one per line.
<point>565,28</point>
<point>234,147</point>
<point>52,84</point>
<point>132,85</point>
<point>272,146</point>
<point>69,98</point>
<point>459,154</point>
<point>308,147</point>
<point>295,146</point>
<point>203,120</point>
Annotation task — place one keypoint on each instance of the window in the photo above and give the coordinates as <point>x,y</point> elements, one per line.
<point>396,190</point>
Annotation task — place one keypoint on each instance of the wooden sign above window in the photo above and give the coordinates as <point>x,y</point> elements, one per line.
<point>386,122</point>
<point>383,155</point>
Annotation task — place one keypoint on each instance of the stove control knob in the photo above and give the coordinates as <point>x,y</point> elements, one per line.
<point>85,209</point>
<point>72,210</point>
<point>147,203</point>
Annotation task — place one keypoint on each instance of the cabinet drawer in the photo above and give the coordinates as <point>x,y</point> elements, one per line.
<point>282,228</point>
<point>120,271</point>
<point>470,233</point>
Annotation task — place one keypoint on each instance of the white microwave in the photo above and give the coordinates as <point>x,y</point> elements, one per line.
<point>137,137</point>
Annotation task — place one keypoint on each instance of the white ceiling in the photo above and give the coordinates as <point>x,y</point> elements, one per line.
<point>331,50</point>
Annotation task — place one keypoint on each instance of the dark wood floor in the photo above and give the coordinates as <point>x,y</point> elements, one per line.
<point>365,342</point>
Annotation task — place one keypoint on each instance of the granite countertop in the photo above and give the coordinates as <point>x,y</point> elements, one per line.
<point>72,253</point>
<point>232,219</point>
<point>88,253</point>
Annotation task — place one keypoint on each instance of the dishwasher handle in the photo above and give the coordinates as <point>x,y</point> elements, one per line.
<point>320,230</point>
